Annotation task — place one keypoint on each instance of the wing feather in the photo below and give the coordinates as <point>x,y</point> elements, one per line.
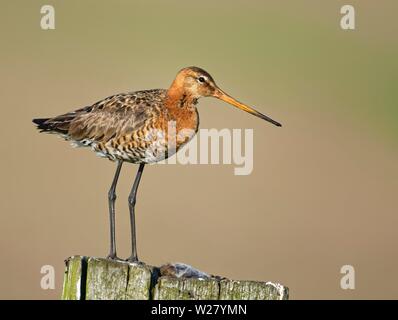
<point>109,118</point>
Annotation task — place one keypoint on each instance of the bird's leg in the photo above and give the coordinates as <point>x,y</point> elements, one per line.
<point>111,199</point>
<point>132,200</point>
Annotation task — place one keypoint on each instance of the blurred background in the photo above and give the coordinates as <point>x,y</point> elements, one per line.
<point>323,192</point>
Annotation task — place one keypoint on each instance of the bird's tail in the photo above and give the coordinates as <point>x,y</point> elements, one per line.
<point>41,124</point>
<point>59,124</point>
<point>52,125</point>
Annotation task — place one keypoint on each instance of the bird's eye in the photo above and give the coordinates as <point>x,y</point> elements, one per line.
<point>201,79</point>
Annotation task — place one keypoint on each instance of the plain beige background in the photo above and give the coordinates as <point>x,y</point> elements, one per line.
<point>323,192</point>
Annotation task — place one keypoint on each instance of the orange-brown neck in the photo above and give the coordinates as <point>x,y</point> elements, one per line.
<point>178,97</point>
<point>181,107</point>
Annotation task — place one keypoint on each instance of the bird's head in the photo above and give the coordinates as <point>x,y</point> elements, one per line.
<point>196,83</point>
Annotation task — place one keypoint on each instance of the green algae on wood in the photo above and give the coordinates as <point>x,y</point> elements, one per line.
<point>140,282</point>
<point>72,278</point>
<point>103,279</point>
<point>168,288</point>
<point>106,279</point>
<point>252,290</point>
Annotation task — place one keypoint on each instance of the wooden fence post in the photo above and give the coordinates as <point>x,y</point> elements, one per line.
<point>88,278</point>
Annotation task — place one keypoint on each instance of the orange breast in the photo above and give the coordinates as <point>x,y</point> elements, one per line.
<point>186,122</point>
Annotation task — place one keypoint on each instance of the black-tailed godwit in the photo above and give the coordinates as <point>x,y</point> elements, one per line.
<point>134,127</point>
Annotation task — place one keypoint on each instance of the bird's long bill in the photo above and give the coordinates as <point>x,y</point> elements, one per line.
<point>219,94</point>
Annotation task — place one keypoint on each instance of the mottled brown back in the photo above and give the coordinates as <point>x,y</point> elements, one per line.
<point>111,117</point>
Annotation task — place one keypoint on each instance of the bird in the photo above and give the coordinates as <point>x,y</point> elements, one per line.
<point>135,127</point>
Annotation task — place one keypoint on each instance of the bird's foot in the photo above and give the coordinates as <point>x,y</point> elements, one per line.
<point>114,257</point>
<point>134,260</point>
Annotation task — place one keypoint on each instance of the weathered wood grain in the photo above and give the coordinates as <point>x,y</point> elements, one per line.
<point>168,288</point>
<point>252,290</point>
<point>89,278</point>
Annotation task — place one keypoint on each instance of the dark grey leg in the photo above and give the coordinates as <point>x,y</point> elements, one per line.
<point>132,200</point>
<point>112,198</point>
